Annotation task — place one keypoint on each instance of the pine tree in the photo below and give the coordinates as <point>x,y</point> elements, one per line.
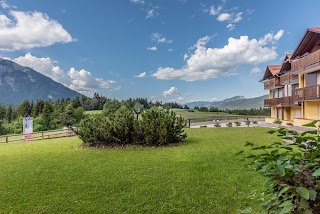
<point>2,112</point>
<point>9,114</point>
<point>67,118</point>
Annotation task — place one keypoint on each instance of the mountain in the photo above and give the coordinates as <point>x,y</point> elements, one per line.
<point>249,103</point>
<point>18,83</point>
<point>237,102</point>
<point>213,103</point>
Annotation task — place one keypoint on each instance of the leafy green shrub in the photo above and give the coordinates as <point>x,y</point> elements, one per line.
<point>190,110</point>
<point>156,127</point>
<point>255,122</point>
<point>229,124</point>
<point>277,122</point>
<point>160,127</point>
<point>94,130</point>
<point>293,172</point>
<point>121,127</point>
<point>203,126</point>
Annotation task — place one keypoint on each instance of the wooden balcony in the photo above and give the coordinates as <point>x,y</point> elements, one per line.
<point>272,102</point>
<point>305,63</point>
<point>287,101</point>
<point>289,79</point>
<point>272,83</point>
<point>307,93</point>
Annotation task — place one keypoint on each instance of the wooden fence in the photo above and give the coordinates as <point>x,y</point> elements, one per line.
<point>43,135</point>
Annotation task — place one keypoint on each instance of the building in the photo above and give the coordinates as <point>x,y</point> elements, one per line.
<point>294,86</point>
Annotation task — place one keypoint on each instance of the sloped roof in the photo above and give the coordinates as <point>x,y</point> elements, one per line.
<point>308,41</point>
<point>274,69</point>
<point>271,71</point>
<point>286,65</point>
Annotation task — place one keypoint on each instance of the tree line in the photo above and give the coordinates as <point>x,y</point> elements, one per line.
<point>49,115</point>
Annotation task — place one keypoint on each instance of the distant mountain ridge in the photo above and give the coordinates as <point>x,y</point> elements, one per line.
<point>18,83</point>
<point>237,102</point>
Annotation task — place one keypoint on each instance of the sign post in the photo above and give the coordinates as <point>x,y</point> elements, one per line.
<point>27,128</point>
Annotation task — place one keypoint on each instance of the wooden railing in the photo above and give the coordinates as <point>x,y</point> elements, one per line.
<point>307,62</point>
<point>272,102</point>
<point>289,78</point>
<point>307,93</point>
<point>272,83</point>
<point>284,101</point>
<point>59,133</point>
<point>287,101</point>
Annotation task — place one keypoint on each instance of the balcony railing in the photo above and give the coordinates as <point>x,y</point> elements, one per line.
<point>284,101</point>
<point>307,93</point>
<point>272,102</point>
<point>272,83</point>
<point>310,61</point>
<point>287,101</point>
<point>289,79</point>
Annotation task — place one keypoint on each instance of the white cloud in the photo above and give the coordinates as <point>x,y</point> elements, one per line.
<point>152,48</point>
<point>150,13</point>
<point>202,41</point>
<point>230,18</point>
<point>142,75</point>
<point>170,91</point>
<point>137,1</point>
<point>159,38</point>
<point>81,81</point>
<point>278,36</point>
<point>255,71</point>
<point>4,5</point>
<point>205,63</point>
<point>25,30</point>
<point>215,11</point>
<point>170,50</point>
<point>224,17</point>
<point>180,99</point>
<point>230,26</point>
<point>44,66</point>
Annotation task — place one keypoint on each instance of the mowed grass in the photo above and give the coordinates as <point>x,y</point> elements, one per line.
<point>198,116</point>
<point>200,175</point>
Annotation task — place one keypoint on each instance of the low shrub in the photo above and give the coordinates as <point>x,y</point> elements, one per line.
<point>203,126</point>
<point>255,122</point>
<point>277,122</point>
<point>190,110</point>
<point>229,124</point>
<point>156,127</point>
<point>293,172</point>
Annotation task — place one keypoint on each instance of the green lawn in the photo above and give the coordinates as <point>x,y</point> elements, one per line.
<point>198,116</point>
<point>201,175</point>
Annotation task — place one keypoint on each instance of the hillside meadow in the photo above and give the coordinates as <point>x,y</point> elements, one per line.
<point>200,175</point>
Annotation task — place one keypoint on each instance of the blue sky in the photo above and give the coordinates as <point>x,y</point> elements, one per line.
<point>168,50</point>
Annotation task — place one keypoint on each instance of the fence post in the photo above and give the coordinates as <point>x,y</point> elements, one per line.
<point>7,139</point>
<point>42,135</point>
<point>189,122</point>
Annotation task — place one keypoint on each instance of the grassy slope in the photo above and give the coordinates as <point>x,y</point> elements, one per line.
<point>200,175</point>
